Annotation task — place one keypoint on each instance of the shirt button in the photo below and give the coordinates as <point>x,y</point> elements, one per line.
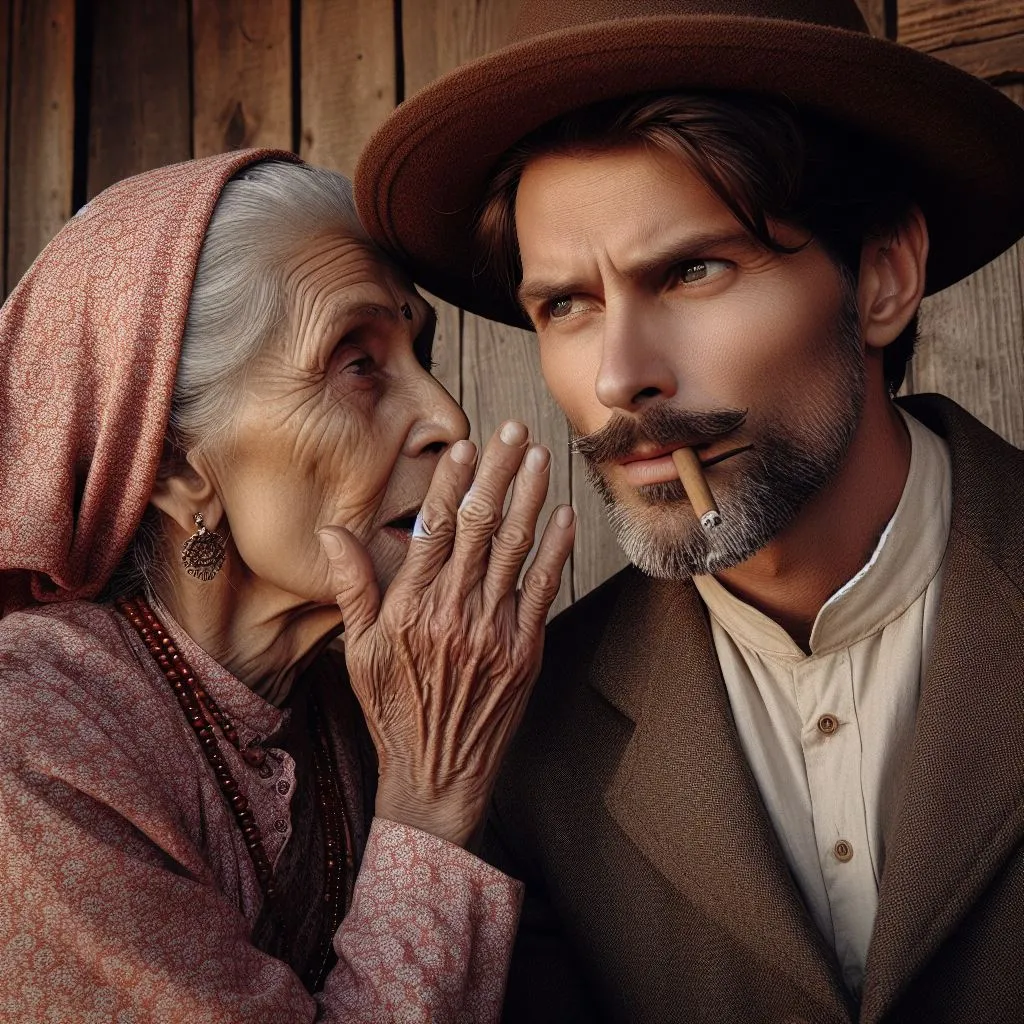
<point>843,851</point>
<point>828,724</point>
<point>282,786</point>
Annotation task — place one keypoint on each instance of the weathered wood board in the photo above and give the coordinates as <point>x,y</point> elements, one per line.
<point>41,128</point>
<point>348,77</point>
<point>972,340</point>
<point>5,56</point>
<point>242,77</point>
<point>139,95</point>
<point>985,37</point>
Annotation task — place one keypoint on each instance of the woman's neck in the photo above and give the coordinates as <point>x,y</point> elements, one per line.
<point>260,635</point>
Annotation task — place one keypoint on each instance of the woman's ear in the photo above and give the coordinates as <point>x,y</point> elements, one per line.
<point>891,282</point>
<point>186,491</point>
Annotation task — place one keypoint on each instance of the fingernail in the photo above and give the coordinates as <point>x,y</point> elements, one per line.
<point>564,516</point>
<point>464,452</point>
<point>513,433</point>
<point>330,543</point>
<point>537,458</point>
<point>420,528</point>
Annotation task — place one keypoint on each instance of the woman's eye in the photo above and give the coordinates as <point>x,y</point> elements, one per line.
<point>361,367</point>
<point>693,271</point>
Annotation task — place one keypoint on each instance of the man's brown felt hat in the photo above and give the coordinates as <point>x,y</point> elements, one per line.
<point>422,175</point>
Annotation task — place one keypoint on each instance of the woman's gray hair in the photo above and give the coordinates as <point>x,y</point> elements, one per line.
<point>264,215</point>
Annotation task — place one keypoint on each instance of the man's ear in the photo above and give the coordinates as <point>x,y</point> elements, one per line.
<point>186,491</point>
<point>891,283</point>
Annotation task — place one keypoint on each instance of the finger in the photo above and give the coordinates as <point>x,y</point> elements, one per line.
<point>352,578</point>
<point>434,530</point>
<point>479,514</point>
<point>514,538</point>
<point>543,578</point>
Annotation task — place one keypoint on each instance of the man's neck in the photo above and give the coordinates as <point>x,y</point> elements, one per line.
<point>834,535</point>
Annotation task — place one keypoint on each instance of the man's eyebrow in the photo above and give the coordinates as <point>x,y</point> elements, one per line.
<point>676,251</point>
<point>545,291</point>
<point>693,247</point>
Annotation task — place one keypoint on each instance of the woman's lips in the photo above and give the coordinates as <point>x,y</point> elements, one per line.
<point>661,470</point>
<point>400,527</point>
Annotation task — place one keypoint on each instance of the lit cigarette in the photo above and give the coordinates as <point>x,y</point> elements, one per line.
<point>691,476</point>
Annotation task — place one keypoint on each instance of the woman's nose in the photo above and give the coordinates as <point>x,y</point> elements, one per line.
<point>636,368</point>
<point>441,421</point>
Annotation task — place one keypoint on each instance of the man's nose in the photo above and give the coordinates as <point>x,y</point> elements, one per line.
<point>636,368</point>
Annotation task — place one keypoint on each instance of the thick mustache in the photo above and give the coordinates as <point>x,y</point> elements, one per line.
<point>661,426</point>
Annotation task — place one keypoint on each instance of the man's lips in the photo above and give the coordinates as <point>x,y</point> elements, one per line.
<point>658,468</point>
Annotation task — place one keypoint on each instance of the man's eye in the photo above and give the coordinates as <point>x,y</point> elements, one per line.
<point>693,271</point>
<point>560,307</point>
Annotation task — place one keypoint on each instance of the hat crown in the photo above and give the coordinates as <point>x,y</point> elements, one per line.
<point>536,17</point>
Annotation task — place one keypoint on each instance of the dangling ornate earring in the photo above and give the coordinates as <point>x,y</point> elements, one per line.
<point>203,553</point>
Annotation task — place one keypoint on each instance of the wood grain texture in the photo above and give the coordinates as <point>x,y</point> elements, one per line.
<point>985,37</point>
<point>972,340</point>
<point>5,56</point>
<point>875,14</point>
<point>41,127</point>
<point>242,77</point>
<point>139,92</point>
<point>348,77</point>
<point>439,35</point>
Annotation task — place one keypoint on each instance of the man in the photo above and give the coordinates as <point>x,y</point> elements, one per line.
<point>775,772</point>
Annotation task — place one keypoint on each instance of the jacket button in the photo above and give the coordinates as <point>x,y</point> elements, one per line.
<point>843,851</point>
<point>828,724</point>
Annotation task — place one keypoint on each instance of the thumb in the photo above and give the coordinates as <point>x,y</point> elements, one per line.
<point>352,578</point>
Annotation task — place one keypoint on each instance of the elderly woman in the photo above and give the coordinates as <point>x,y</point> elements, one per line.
<point>218,440</point>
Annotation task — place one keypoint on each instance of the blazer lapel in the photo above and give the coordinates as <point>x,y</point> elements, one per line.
<point>962,807</point>
<point>684,795</point>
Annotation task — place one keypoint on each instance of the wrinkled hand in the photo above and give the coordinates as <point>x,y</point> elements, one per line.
<point>444,664</point>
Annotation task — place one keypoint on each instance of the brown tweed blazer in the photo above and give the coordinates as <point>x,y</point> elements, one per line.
<point>657,891</point>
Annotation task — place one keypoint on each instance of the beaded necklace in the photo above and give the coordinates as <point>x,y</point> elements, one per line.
<point>206,718</point>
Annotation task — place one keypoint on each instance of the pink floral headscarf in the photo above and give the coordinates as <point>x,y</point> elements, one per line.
<point>89,344</point>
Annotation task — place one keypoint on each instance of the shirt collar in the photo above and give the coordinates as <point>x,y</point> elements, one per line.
<point>905,560</point>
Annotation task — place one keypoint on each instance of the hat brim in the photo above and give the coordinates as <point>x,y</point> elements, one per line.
<point>421,177</point>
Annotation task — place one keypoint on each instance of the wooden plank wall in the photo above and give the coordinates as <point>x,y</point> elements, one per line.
<point>95,90</point>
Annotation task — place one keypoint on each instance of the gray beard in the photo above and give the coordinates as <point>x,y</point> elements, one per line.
<point>790,463</point>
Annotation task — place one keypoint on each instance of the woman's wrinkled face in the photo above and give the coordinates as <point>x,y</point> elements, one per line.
<point>341,422</point>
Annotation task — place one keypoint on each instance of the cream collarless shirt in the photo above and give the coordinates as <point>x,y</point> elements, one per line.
<point>827,733</point>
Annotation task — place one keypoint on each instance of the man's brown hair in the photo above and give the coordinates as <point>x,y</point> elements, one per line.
<point>762,158</point>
